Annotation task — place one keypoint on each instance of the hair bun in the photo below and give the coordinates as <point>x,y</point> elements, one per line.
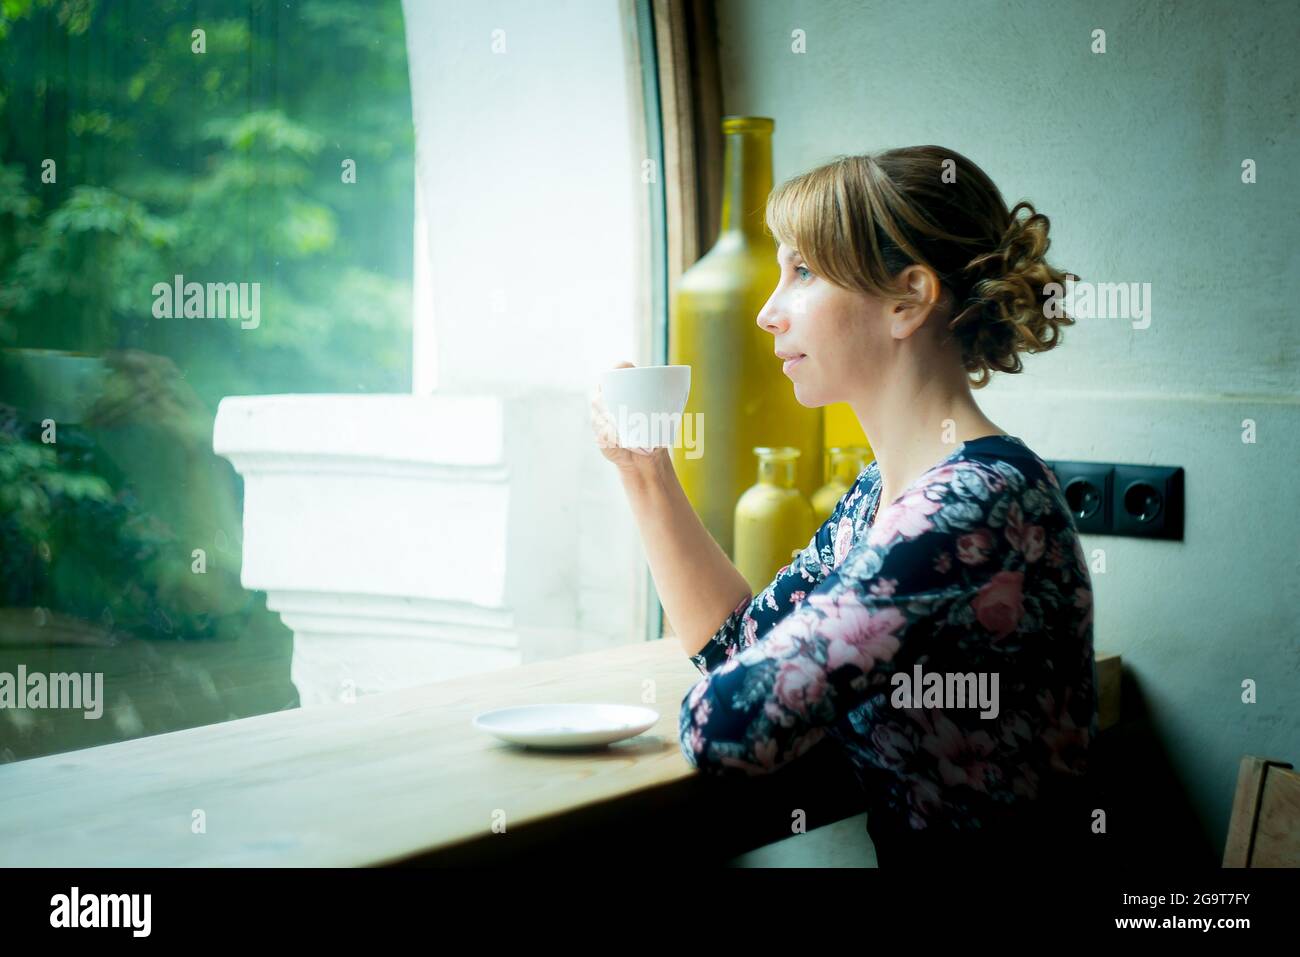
<point>1004,312</point>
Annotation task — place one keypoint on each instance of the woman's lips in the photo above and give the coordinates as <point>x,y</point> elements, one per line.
<point>791,363</point>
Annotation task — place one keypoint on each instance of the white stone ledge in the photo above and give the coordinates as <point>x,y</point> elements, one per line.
<point>378,528</point>
<point>444,430</point>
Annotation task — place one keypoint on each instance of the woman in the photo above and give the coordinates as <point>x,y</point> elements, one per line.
<point>905,281</point>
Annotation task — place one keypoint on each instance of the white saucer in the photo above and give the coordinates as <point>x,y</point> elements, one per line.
<point>566,725</point>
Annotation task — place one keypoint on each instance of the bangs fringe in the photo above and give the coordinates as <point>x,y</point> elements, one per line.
<point>814,214</point>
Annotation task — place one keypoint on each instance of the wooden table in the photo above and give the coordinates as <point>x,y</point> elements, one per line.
<point>404,778</point>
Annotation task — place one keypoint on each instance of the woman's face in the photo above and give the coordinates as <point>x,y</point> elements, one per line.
<point>842,335</point>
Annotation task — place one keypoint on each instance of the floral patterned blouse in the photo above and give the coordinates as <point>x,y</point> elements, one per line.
<point>975,570</point>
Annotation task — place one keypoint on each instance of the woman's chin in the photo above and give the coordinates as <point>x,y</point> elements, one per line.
<point>808,397</point>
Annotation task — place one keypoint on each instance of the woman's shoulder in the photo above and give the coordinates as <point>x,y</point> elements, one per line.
<point>1010,458</point>
<point>990,474</point>
<point>1006,455</point>
<point>986,483</point>
<point>1008,463</point>
<point>998,487</point>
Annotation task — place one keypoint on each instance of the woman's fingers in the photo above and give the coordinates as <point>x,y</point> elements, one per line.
<point>601,426</point>
<point>602,421</point>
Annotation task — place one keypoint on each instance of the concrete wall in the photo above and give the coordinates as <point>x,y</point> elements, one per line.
<point>1136,155</point>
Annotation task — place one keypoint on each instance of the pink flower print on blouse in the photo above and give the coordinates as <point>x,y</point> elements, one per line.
<point>962,758</point>
<point>1015,730</point>
<point>856,635</point>
<point>943,475</point>
<point>925,800</point>
<point>695,740</point>
<point>907,518</point>
<point>804,742</point>
<point>883,587</point>
<point>974,547</point>
<point>784,641</point>
<point>999,606</point>
<point>765,752</point>
<point>1051,477</point>
<point>1027,539</point>
<point>893,747</point>
<point>697,692</point>
<point>843,539</point>
<point>800,684</point>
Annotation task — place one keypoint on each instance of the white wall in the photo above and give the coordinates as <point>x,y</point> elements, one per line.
<point>1135,155</point>
<point>528,163</point>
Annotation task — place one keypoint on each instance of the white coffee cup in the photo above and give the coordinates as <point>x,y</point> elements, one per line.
<point>646,403</point>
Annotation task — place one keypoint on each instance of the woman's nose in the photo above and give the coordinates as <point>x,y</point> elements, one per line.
<point>771,319</point>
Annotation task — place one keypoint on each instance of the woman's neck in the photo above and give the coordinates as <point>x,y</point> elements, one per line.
<point>916,423</point>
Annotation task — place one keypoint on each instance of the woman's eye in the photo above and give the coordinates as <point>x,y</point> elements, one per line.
<point>802,269</point>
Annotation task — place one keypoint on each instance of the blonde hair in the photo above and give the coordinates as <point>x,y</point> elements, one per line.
<point>858,221</point>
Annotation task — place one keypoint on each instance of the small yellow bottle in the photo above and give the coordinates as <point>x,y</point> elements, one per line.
<point>773,519</point>
<point>846,464</point>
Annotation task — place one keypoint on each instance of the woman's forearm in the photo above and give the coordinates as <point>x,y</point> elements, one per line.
<point>697,583</point>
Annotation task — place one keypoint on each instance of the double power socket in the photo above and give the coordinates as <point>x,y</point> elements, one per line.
<point>1141,501</point>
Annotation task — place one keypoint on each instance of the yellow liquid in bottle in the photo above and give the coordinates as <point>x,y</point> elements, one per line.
<point>773,519</point>
<point>847,462</point>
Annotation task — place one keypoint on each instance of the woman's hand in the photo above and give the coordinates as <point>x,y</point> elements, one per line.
<point>630,461</point>
<point>694,579</point>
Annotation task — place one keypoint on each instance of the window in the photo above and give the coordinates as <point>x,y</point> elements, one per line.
<point>299,307</point>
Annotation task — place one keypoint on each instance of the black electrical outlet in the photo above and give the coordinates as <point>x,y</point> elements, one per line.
<point>1087,489</point>
<point>1148,502</point>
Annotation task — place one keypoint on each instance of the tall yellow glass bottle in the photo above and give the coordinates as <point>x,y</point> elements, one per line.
<point>773,518</point>
<point>736,381</point>
<point>842,428</point>
<point>846,463</point>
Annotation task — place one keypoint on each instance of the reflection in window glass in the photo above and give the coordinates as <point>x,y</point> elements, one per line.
<point>192,205</point>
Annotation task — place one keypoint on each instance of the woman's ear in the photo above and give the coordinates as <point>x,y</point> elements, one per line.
<point>923,293</point>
